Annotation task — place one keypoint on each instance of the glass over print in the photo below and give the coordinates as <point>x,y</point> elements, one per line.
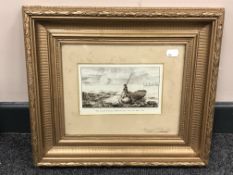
<point>122,85</point>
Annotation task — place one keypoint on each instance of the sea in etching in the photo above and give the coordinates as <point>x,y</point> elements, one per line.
<point>120,86</point>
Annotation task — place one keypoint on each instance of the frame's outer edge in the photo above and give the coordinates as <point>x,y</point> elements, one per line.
<point>31,11</point>
<point>122,11</point>
<point>141,164</point>
<point>213,85</point>
<point>31,78</point>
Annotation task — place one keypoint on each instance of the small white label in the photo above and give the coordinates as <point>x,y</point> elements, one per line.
<point>172,52</point>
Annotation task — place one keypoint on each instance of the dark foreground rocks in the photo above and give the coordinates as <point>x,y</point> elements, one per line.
<point>97,100</point>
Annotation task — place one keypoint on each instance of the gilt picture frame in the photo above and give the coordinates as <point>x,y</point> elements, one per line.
<point>122,86</point>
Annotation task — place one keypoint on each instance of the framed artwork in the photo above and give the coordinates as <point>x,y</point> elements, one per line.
<point>122,86</point>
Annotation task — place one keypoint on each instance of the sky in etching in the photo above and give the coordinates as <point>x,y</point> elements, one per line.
<point>120,75</point>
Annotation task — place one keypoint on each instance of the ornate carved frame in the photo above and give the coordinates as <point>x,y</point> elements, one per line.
<point>46,29</point>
